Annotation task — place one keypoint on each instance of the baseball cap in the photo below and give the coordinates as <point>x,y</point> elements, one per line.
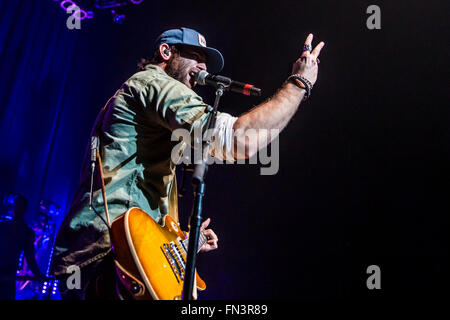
<point>191,38</point>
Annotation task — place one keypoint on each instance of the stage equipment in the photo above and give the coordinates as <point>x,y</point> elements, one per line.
<point>8,206</point>
<point>44,227</point>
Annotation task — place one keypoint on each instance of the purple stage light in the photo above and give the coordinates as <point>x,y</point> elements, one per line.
<point>64,2</point>
<point>80,14</point>
<point>108,4</point>
<point>70,5</point>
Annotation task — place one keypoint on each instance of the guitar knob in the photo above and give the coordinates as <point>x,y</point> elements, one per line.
<point>135,287</point>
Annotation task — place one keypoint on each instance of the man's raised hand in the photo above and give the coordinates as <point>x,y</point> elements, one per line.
<point>307,64</point>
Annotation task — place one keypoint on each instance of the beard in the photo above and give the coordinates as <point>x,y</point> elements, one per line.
<point>178,68</point>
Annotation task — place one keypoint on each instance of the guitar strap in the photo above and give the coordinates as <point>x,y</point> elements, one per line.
<point>100,169</point>
<point>97,131</point>
<point>173,200</point>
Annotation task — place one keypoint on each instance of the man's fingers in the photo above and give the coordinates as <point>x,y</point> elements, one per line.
<point>212,242</point>
<point>308,42</point>
<point>317,49</point>
<point>210,235</point>
<point>309,39</point>
<point>205,224</point>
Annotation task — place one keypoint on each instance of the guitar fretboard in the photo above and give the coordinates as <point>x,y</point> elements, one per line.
<point>201,241</point>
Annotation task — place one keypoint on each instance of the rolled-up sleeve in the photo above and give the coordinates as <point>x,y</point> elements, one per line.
<point>175,105</point>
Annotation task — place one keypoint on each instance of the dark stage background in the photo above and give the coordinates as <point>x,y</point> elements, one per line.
<point>363,175</point>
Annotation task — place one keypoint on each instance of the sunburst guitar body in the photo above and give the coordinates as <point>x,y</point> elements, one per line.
<point>151,258</point>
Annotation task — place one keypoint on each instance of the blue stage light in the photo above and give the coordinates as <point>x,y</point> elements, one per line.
<point>7,211</point>
<point>119,18</point>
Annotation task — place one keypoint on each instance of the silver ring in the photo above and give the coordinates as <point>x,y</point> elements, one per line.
<point>318,61</point>
<point>307,47</point>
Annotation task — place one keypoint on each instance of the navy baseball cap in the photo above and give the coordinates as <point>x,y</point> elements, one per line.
<point>191,38</point>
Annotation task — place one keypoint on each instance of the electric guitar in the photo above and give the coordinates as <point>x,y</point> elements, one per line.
<point>150,258</point>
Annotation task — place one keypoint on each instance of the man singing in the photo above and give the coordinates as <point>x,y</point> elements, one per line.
<point>135,129</point>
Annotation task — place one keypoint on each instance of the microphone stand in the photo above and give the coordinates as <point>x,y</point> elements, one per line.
<point>198,182</point>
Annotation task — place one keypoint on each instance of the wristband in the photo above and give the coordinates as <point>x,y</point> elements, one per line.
<point>303,83</point>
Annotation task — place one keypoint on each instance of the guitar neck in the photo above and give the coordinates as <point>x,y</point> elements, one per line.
<point>201,241</point>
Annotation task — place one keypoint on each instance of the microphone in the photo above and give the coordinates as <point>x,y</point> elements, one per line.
<point>204,78</point>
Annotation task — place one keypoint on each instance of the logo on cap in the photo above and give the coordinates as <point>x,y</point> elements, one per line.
<point>201,40</point>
